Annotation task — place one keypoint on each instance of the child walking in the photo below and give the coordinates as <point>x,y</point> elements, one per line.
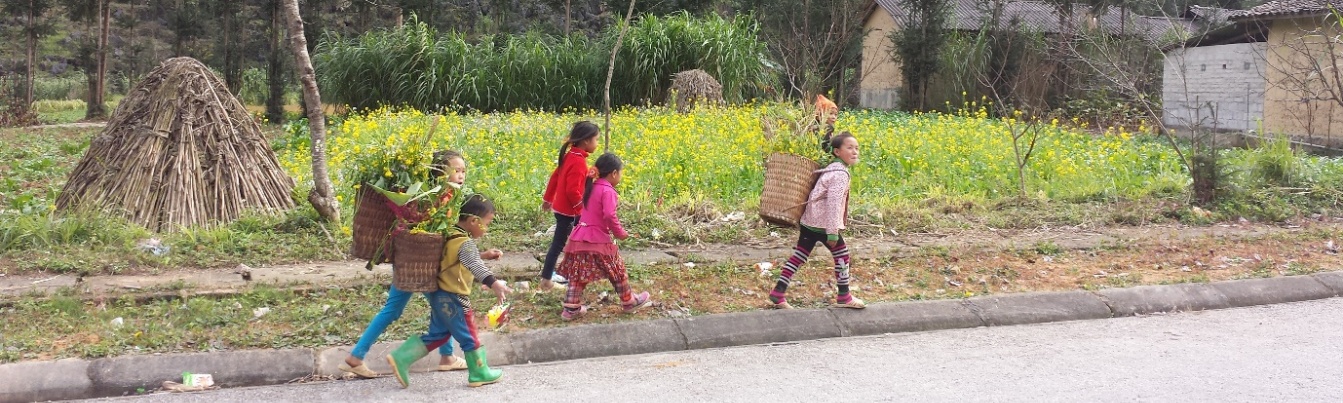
<point>824,217</point>
<point>564,191</point>
<point>591,254</point>
<point>450,313</point>
<point>451,166</point>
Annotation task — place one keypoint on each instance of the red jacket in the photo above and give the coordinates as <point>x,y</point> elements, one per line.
<point>565,189</point>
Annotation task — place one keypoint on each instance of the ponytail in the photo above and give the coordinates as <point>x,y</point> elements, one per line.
<point>587,189</point>
<point>582,130</point>
<point>606,164</point>
<point>564,149</point>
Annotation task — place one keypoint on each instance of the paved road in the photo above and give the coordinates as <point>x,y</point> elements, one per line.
<point>1291,352</point>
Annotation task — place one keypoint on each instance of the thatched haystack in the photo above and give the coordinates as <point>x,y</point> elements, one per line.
<point>694,86</point>
<point>180,151</point>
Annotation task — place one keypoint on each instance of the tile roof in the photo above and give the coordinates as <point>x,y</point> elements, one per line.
<point>1284,8</point>
<point>970,15</point>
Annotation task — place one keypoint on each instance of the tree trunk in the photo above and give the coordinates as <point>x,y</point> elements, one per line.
<point>322,196</point>
<point>97,108</point>
<point>275,66</point>
<point>178,46</point>
<point>32,57</point>
<point>232,73</point>
<point>610,72</point>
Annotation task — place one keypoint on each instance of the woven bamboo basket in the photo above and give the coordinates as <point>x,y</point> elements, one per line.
<point>372,226</point>
<point>788,182</point>
<point>415,261</point>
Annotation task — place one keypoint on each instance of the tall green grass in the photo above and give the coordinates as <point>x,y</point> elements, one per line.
<point>417,66</point>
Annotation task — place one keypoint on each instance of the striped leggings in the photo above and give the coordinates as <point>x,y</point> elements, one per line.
<point>806,241</point>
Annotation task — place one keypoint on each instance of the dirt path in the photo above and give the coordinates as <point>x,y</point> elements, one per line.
<point>76,125</point>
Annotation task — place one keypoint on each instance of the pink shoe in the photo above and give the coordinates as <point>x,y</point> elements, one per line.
<point>640,300</point>
<point>569,315</point>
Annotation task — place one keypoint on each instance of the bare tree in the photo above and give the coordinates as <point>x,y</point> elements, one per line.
<point>97,107</point>
<point>1002,81</point>
<point>1110,59</point>
<point>610,72</point>
<point>322,196</point>
<point>815,41</point>
<point>33,13</point>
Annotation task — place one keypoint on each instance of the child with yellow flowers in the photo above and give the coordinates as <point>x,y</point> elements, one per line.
<point>450,306</point>
<point>451,166</point>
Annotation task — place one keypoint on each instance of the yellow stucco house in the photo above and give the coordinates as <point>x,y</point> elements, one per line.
<point>881,82</point>
<point>1303,74</point>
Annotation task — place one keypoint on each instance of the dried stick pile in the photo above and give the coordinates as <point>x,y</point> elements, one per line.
<point>180,151</point>
<point>694,86</point>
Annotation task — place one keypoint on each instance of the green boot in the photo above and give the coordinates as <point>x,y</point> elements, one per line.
<point>479,371</point>
<point>406,355</point>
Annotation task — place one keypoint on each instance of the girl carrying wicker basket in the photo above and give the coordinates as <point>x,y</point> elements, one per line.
<point>823,220</point>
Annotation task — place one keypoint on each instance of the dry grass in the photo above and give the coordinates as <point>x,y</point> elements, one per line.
<point>956,272</point>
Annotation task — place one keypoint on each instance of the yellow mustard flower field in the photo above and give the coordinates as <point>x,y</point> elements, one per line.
<point>716,156</point>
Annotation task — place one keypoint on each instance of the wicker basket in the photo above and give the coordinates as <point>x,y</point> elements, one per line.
<point>372,226</point>
<point>788,182</point>
<point>416,260</point>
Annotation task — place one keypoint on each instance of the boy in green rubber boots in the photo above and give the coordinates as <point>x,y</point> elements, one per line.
<point>450,307</point>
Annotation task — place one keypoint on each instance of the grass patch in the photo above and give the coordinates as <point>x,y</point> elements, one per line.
<point>91,243</point>
<point>67,327</point>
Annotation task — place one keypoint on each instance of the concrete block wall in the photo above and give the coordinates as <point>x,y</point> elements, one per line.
<point>1227,79</point>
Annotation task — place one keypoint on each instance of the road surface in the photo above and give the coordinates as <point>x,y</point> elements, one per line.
<point>1290,352</point>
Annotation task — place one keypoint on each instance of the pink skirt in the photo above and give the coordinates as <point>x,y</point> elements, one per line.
<point>587,262</point>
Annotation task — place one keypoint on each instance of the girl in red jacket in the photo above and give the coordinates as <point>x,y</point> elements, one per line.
<point>592,254</point>
<point>564,191</point>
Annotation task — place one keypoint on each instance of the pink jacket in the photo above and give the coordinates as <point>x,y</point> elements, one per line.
<point>828,205</point>
<point>598,222</point>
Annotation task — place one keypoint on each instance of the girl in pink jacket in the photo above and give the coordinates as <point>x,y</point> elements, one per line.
<point>827,209</point>
<point>591,253</point>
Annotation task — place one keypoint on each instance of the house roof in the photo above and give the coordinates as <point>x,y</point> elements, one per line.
<point>970,15</point>
<point>1233,33</point>
<point>1208,15</point>
<point>1287,8</point>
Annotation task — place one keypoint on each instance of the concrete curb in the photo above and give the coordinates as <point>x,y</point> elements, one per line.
<point>587,341</point>
<point>1277,290</point>
<point>1147,300</point>
<point>1333,280</point>
<point>45,380</point>
<point>125,375</point>
<point>1039,308</point>
<point>74,379</point>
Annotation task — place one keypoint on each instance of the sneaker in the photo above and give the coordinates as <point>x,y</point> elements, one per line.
<point>571,314</point>
<point>781,303</point>
<point>854,303</point>
<point>558,279</point>
<point>640,300</point>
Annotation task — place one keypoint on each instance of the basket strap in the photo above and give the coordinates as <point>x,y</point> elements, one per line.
<point>818,199</point>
